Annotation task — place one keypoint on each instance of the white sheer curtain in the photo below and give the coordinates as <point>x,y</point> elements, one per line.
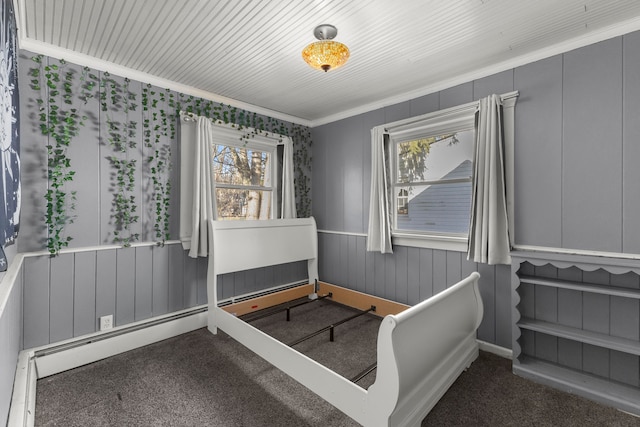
<point>197,183</point>
<point>489,224</point>
<point>379,232</point>
<point>288,208</point>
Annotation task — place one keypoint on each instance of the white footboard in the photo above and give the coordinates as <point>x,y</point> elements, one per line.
<point>422,351</point>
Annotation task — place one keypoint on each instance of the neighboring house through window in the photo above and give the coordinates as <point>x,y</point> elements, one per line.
<point>432,177</point>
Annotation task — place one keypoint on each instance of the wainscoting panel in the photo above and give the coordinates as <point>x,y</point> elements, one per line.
<point>66,295</point>
<point>411,275</point>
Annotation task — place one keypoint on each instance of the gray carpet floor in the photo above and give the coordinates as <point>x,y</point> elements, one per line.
<point>200,379</point>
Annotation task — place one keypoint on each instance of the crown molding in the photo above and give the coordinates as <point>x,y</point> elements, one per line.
<point>115,69</point>
<point>592,37</point>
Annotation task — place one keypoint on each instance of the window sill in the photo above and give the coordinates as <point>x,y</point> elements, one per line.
<point>447,243</point>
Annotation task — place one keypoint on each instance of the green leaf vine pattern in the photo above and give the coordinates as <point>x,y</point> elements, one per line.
<point>60,122</point>
<point>115,98</point>
<point>300,135</point>
<point>60,119</point>
<point>159,125</point>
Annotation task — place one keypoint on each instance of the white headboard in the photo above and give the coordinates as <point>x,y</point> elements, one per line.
<point>243,245</point>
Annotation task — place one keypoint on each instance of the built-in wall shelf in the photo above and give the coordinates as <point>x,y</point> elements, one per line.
<point>621,396</point>
<point>580,335</point>
<point>576,324</point>
<point>584,287</point>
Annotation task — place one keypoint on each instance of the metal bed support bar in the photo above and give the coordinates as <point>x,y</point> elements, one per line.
<point>365,372</point>
<point>287,309</point>
<point>331,327</point>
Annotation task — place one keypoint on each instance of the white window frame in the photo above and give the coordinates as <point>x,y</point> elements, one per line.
<point>438,123</point>
<point>230,137</point>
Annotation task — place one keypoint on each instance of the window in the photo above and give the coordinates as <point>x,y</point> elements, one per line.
<point>431,165</point>
<point>432,178</point>
<point>245,181</point>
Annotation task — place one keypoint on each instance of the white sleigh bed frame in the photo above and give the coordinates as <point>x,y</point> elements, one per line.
<point>420,351</point>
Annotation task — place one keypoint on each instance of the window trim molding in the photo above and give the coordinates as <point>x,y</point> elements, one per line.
<point>449,118</point>
<point>232,136</point>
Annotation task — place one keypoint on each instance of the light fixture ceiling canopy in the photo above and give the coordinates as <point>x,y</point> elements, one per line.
<point>325,54</point>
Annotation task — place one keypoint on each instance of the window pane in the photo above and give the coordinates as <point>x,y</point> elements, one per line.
<point>241,166</point>
<point>442,207</point>
<point>437,208</point>
<point>243,204</point>
<point>434,158</point>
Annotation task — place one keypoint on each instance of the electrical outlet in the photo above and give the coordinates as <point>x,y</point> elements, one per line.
<point>106,322</point>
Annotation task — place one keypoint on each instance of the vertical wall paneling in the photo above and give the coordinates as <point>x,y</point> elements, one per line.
<point>413,276</point>
<point>370,120</point>
<point>36,301</point>
<point>456,95</point>
<point>334,181</point>
<point>352,269</point>
<point>389,278</point>
<point>592,147</point>
<point>487,284</point>
<point>226,285</point>
<point>350,156</point>
<point>160,277</point>
<point>402,279</point>
<point>538,154</point>
<point>176,279</point>
<point>125,286</point>
<point>454,267</point>
<point>201,266</point>
<point>439,271</point>
<point>630,145</point>
<point>143,282</point>
<point>320,207</point>
<point>190,281</point>
<point>11,322</point>
<point>425,104</point>
<point>397,112</point>
<point>495,83</point>
<point>370,281</point>
<point>85,162</point>
<point>61,297</point>
<point>344,259</point>
<point>106,264</point>
<point>361,264</point>
<point>426,273</point>
<point>84,296</point>
<point>33,158</point>
<point>104,166</point>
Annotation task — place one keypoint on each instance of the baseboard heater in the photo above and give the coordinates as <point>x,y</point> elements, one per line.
<point>41,362</point>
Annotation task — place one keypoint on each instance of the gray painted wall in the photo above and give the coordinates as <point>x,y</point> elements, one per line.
<point>65,296</point>
<point>576,176</point>
<point>10,334</point>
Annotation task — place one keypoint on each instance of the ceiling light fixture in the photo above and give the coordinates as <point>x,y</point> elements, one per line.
<point>325,54</point>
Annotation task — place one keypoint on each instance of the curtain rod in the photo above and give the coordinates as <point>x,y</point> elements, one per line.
<point>447,111</point>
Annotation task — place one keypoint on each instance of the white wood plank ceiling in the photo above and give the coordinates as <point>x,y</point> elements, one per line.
<point>248,52</point>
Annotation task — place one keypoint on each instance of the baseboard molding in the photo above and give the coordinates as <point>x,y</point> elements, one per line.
<point>495,349</point>
<point>41,362</point>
